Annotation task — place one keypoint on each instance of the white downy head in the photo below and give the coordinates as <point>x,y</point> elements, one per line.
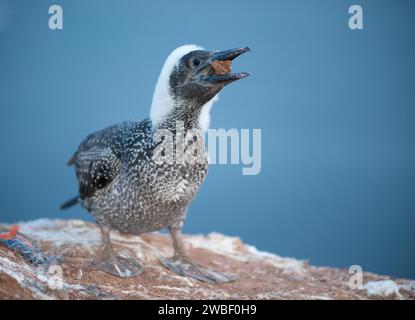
<point>163,102</point>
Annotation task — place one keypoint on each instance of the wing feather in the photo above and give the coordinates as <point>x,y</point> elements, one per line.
<point>96,167</point>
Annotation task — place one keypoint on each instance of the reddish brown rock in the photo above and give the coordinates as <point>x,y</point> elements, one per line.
<point>260,275</point>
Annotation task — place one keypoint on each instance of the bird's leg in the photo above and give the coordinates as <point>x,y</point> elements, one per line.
<point>112,263</point>
<point>181,264</point>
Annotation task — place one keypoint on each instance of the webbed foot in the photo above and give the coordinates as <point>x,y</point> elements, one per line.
<point>117,266</point>
<point>112,263</point>
<point>184,267</point>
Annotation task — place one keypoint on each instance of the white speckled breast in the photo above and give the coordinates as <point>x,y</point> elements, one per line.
<point>146,197</point>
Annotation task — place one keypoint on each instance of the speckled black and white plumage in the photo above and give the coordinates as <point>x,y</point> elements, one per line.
<point>122,186</point>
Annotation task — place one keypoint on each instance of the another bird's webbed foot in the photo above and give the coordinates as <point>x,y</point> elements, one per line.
<point>114,264</point>
<point>181,264</point>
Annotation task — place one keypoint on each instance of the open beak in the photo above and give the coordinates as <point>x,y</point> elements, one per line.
<point>217,69</point>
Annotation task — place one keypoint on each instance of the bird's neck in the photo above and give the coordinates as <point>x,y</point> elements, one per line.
<point>185,115</point>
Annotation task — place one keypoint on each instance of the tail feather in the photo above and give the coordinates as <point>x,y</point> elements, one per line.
<point>70,203</point>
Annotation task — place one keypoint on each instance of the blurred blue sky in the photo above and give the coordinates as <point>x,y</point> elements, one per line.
<point>336,108</point>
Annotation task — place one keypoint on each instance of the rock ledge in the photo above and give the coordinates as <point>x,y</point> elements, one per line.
<point>260,275</point>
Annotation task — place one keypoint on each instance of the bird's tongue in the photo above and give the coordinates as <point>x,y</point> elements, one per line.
<point>222,67</point>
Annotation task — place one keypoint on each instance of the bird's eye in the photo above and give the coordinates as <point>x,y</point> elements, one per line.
<point>196,62</point>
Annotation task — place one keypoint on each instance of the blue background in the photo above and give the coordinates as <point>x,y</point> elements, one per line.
<point>336,108</point>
